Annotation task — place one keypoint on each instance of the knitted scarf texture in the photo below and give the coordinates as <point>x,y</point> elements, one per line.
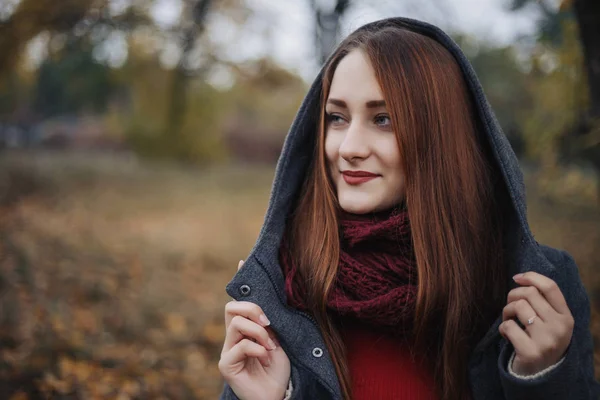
<point>376,281</point>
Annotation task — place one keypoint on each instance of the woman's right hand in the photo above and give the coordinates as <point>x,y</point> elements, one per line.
<point>252,361</point>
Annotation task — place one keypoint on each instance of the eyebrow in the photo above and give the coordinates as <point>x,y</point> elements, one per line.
<point>369,104</point>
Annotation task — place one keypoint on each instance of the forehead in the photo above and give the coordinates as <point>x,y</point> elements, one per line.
<point>354,80</point>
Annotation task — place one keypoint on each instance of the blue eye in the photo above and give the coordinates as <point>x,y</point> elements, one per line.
<point>383,120</point>
<point>334,118</point>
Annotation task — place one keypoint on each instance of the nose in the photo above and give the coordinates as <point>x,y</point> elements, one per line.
<point>354,144</point>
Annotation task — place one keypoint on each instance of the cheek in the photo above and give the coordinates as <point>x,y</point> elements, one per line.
<point>393,162</point>
<point>331,149</point>
<point>390,153</point>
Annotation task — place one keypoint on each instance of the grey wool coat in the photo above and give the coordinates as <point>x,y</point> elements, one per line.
<point>313,375</point>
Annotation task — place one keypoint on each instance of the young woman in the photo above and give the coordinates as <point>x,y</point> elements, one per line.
<point>395,260</point>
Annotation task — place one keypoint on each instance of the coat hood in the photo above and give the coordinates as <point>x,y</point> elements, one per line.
<point>298,147</point>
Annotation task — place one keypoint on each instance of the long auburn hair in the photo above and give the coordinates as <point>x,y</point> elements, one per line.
<point>452,200</point>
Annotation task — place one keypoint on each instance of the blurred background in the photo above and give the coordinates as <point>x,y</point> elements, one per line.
<point>138,141</point>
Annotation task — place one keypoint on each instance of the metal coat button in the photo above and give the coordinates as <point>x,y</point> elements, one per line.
<point>245,290</point>
<point>317,352</point>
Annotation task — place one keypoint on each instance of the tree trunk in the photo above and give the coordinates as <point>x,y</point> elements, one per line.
<point>587,13</point>
<point>178,93</point>
<point>327,27</point>
<point>588,17</point>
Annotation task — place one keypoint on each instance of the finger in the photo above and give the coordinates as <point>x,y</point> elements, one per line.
<point>243,350</point>
<point>538,302</point>
<point>547,287</point>
<point>522,343</point>
<point>272,335</point>
<point>240,264</point>
<point>241,328</point>
<point>246,309</point>
<point>520,309</point>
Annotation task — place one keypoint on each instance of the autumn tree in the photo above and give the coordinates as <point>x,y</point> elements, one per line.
<point>587,140</point>
<point>34,16</point>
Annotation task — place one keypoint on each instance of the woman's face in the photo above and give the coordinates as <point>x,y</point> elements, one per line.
<point>360,145</point>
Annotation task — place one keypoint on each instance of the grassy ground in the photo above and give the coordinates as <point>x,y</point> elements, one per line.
<point>112,273</point>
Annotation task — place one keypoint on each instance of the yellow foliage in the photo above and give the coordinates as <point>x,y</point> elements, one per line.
<point>176,324</point>
<point>145,124</point>
<point>565,5</point>
<point>20,395</point>
<point>174,294</point>
<point>558,87</point>
<point>214,332</point>
<point>85,319</point>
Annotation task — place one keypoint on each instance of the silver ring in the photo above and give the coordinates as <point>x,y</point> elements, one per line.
<point>530,320</point>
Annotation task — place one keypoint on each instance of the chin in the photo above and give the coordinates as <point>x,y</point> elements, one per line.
<point>357,207</point>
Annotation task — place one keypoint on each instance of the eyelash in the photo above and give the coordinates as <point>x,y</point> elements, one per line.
<point>384,116</point>
<point>331,118</point>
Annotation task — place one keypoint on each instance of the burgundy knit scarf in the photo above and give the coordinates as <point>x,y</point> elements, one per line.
<point>376,281</point>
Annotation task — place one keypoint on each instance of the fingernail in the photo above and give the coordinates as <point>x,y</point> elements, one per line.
<point>264,320</point>
<point>272,345</point>
<point>267,363</point>
<point>518,276</point>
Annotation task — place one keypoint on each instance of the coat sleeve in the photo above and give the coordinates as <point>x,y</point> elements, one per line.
<point>228,393</point>
<point>303,387</point>
<point>574,377</point>
<point>533,376</point>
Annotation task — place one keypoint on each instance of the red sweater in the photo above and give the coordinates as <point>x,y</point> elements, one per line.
<point>381,367</point>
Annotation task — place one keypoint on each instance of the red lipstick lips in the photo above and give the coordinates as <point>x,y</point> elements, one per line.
<point>357,177</point>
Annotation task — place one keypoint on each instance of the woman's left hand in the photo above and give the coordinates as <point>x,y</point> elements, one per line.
<point>541,307</point>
